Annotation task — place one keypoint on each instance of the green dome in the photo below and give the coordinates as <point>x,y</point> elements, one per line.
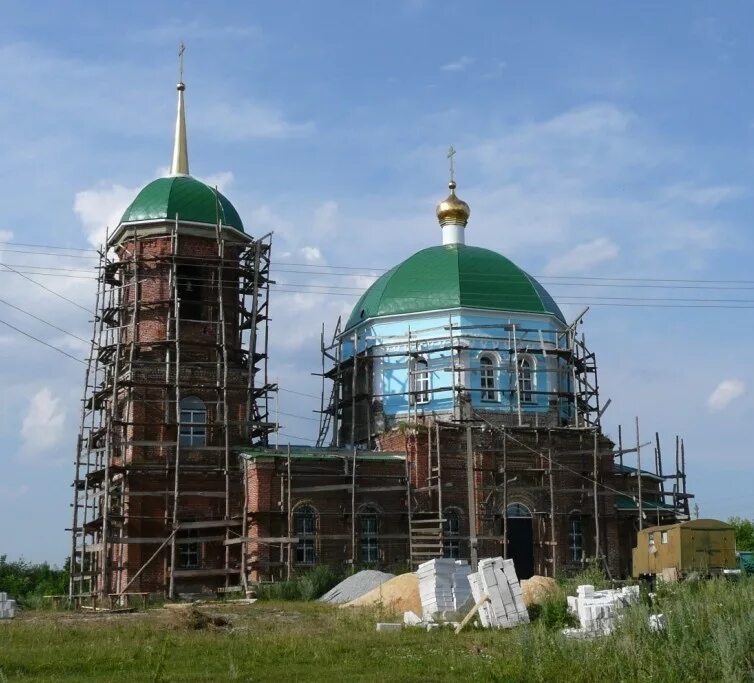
<point>454,276</point>
<point>188,198</point>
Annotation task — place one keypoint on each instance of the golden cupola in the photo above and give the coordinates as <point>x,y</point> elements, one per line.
<point>452,210</point>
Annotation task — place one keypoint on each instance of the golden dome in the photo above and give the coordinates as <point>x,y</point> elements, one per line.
<point>451,210</point>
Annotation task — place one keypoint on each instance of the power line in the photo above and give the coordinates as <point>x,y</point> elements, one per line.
<point>298,393</point>
<point>46,246</point>
<point>42,320</point>
<point>51,291</point>
<point>36,339</point>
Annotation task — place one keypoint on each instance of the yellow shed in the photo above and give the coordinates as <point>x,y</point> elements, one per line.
<point>703,545</point>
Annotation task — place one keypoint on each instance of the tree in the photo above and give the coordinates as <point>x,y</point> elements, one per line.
<point>744,532</point>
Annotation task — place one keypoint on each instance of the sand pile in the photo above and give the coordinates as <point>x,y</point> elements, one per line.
<point>537,589</point>
<point>400,594</point>
<point>355,586</point>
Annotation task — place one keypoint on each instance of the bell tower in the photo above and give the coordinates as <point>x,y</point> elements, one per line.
<point>176,389</point>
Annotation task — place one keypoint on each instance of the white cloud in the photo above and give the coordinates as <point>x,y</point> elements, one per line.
<point>583,257</point>
<point>43,424</point>
<point>246,120</point>
<point>725,393</point>
<point>101,208</point>
<point>311,254</point>
<point>459,65</point>
<point>221,180</point>
<point>709,196</point>
<point>325,221</point>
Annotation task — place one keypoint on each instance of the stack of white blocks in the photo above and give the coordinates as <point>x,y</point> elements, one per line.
<point>497,579</point>
<point>443,585</point>
<point>598,611</point>
<point>7,607</point>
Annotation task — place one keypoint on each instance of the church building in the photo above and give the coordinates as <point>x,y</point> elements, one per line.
<point>464,416</point>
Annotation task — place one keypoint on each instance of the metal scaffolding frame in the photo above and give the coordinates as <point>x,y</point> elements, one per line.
<point>147,353</point>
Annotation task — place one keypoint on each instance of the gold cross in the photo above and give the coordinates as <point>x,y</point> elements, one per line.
<point>181,50</point>
<point>451,154</point>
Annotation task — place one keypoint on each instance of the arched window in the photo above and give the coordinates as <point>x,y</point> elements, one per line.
<point>575,537</point>
<point>420,381</point>
<point>189,285</point>
<point>526,379</point>
<point>193,422</point>
<point>487,378</point>
<point>305,527</point>
<point>451,530</point>
<point>369,539</point>
<point>518,511</point>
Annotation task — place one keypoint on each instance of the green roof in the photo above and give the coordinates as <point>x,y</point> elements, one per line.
<point>188,198</point>
<point>453,276</point>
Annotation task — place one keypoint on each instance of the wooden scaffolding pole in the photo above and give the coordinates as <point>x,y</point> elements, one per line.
<point>471,499</point>
<point>177,375</point>
<point>595,477</point>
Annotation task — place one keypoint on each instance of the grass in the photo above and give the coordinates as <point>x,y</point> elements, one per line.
<point>710,637</point>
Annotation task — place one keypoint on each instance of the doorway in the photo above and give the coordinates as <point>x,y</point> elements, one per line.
<point>521,539</point>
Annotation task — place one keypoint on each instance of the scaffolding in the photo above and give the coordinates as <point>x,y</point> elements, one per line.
<point>545,436</point>
<point>180,313</point>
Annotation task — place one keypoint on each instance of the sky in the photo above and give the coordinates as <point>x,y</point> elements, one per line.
<point>594,140</point>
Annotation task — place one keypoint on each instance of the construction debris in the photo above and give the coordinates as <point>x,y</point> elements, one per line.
<point>599,611</point>
<point>400,594</point>
<point>411,619</point>
<point>496,578</point>
<point>537,589</point>
<point>443,586</point>
<point>7,607</point>
<point>389,627</point>
<point>355,586</point>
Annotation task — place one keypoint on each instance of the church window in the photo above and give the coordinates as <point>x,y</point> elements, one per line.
<point>526,380</point>
<point>487,379</point>
<point>575,537</point>
<point>369,536</point>
<point>193,422</point>
<point>420,381</point>
<point>188,551</point>
<point>451,530</point>
<point>189,284</point>
<point>305,525</point>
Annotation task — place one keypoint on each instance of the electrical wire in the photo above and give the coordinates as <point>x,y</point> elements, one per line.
<point>51,291</point>
<point>37,339</point>
<point>42,320</point>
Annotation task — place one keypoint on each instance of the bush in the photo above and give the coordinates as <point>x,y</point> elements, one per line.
<point>308,586</point>
<point>28,582</point>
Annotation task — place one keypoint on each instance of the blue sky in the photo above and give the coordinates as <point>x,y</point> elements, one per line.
<point>594,139</point>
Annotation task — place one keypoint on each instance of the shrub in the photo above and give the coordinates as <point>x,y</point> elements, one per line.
<point>308,586</point>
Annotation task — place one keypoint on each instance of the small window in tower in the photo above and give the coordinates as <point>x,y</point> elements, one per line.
<point>487,379</point>
<point>525,380</point>
<point>193,422</point>
<point>420,382</point>
<point>189,284</point>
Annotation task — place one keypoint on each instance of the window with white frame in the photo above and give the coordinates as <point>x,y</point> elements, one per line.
<point>526,379</point>
<point>487,378</point>
<point>305,525</point>
<point>188,550</point>
<point>420,381</point>
<point>451,530</point>
<point>575,537</point>
<point>193,422</point>
<point>369,539</point>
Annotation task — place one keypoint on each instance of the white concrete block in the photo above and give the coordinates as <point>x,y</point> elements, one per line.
<point>389,627</point>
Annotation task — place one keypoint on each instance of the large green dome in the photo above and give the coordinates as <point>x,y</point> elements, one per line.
<point>188,198</point>
<point>454,276</point>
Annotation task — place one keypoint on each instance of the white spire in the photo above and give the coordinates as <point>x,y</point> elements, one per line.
<point>180,165</point>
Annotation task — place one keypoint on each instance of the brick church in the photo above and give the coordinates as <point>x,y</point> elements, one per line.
<point>464,417</point>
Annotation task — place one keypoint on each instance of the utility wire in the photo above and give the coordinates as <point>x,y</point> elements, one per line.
<point>42,320</point>
<point>36,339</point>
<point>51,291</point>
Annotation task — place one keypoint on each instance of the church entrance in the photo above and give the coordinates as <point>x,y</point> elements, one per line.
<point>521,540</point>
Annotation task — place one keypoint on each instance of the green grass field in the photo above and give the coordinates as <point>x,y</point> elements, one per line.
<point>710,637</point>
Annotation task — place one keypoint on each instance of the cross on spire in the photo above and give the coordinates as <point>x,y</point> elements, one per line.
<point>181,50</point>
<point>451,154</point>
